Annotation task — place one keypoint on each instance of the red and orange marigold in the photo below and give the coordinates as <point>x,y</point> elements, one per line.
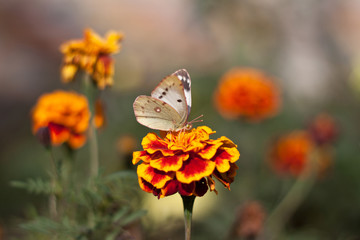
<point>323,129</point>
<point>65,115</point>
<point>246,92</point>
<point>291,153</point>
<point>92,55</point>
<point>185,162</point>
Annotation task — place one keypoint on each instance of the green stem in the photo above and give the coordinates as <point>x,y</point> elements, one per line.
<point>188,202</point>
<point>90,91</point>
<point>292,200</point>
<point>54,182</point>
<point>94,152</point>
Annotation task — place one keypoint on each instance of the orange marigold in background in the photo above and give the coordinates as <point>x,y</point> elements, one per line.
<point>291,152</point>
<point>62,115</point>
<point>323,129</point>
<point>92,55</point>
<point>246,92</point>
<point>99,118</point>
<point>185,162</point>
<point>249,222</point>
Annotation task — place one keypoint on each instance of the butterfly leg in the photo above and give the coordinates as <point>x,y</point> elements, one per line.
<point>170,136</point>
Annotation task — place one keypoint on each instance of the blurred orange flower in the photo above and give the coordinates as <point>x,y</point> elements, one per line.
<point>185,162</point>
<point>99,117</point>
<point>250,220</point>
<point>291,153</point>
<point>246,92</point>
<point>92,55</point>
<point>66,115</point>
<point>323,129</point>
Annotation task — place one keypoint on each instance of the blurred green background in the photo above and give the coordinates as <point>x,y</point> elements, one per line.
<point>310,47</point>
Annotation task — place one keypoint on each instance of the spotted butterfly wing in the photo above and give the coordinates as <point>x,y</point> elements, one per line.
<point>184,77</point>
<point>167,108</point>
<point>156,114</point>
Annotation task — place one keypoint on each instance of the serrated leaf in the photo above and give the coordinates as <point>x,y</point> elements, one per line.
<point>121,175</point>
<point>121,213</point>
<point>42,225</point>
<point>37,186</point>
<point>133,217</point>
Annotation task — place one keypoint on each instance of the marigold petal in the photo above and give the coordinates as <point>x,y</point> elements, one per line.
<point>152,143</point>
<point>186,189</point>
<point>192,146</point>
<point>194,169</point>
<point>227,177</point>
<point>145,186</point>
<point>140,156</point>
<point>227,142</point>
<point>223,158</point>
<point>77,140</point>
<point>210,150</point>
<point>169,163</point>
<point>155,177</point>
<point>211,184</point>
<point>99,118</point>
<point>68,72</point>
<point>201,187</point>
<point>170,188</point>
<point>59,134</point>
<point>222,164</point>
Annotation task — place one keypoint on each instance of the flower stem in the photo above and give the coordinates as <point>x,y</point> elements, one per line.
<point>188,202</point>
<point>54,182</point>
<point>90,91</point>
<point>94,152</point>
<point>294,197</point>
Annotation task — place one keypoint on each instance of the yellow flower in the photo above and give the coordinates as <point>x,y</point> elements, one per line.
<point>65,115</point>
<point>92,55</point>
<point>185,162</point>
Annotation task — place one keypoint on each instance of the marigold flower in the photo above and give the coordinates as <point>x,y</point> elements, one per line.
<point>65,114</point>
<point>323,129</point>
<point>92,55</point>
<point>290,153</point>
<point>99,117</point>
<point>246,92</point>
<point>185,162</point>
<point>249,220</point>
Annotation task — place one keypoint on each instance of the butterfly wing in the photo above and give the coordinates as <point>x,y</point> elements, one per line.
<point>171,91</point>
<point>184,77</point>
<point>156,114</point>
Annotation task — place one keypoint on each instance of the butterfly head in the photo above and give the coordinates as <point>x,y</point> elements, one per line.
<point>189,125</point>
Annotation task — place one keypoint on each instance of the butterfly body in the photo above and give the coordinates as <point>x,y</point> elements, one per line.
<point>169,105</point>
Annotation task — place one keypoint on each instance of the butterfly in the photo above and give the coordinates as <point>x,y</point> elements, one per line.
<point>169,105</point>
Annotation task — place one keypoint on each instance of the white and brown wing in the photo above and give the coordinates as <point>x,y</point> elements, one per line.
<point>171,91</point>
<point>184,77</point>
<point>156,114</point>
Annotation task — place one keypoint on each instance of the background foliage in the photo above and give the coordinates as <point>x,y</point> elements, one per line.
<point>311,47</point>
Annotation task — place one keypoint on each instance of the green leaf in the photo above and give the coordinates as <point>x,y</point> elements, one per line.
<point>37,186</point>
<point>120,214</point>
<point>42,225</point>
<point>121,175</point>
<point>133,217</point>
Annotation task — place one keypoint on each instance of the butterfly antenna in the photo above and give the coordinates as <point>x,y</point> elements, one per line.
<point>197,119</point>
